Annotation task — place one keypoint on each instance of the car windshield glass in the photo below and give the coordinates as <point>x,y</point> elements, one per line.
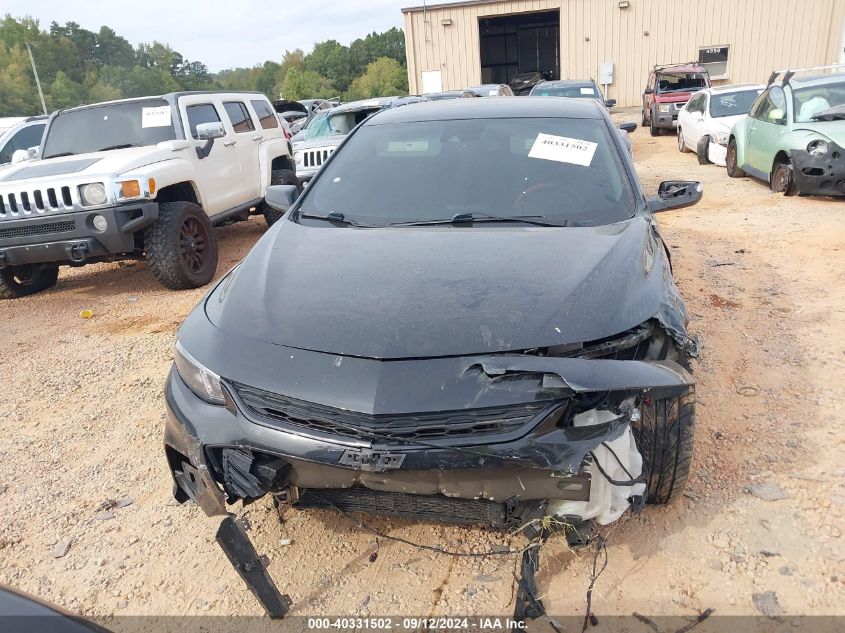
<point>116,125</point>
<point>317,127</point>
<point>680,82</point>
<point>564,171</point>
<point>813,100</point>
<point>732,103</point>
<point>566,91</point>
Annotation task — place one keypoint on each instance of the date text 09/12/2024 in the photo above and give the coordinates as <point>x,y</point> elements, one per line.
<point>418,623</point>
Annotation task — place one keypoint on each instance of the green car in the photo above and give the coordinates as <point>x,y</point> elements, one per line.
<point>794,136</point>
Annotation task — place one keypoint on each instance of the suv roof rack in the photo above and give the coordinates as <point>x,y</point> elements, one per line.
<point>693,63</point>
<point>788,73</point>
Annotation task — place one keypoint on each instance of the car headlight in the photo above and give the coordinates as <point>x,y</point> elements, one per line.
<point>297,158</point>
<point>721,138</point>
<point>818,147</point>
<point>664,107</point>
<point>201,380</point>
<point>93,194</point>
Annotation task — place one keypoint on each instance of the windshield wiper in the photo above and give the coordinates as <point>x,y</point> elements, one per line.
<point>836,113</point>
<point>337,218</point>
<point>60,154</point>
<point>472,217</point>
<point>121,146</point>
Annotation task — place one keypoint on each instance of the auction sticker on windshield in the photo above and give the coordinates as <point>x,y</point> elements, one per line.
<point>563,149</point>
<point>155,117</point>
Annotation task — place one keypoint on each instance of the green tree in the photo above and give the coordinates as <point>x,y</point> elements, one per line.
<point>330,59</point>
<point>383,78</point>
<point>64,92</point>
<point>102,91</point>
<point>18,96</point>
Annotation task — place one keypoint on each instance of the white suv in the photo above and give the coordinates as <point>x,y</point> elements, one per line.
<point>19,133</point>
<point>140,178</point>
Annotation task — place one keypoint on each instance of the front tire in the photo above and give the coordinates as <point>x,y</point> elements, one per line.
<point>664,437</point>
<point>731,161</point>
<point>702,150</point>
<point>652,128</point>
<point>782,178</point>
<point>682,144</point>
<point>279,177</point>
<point>181,247</point>
<point>22,281</point>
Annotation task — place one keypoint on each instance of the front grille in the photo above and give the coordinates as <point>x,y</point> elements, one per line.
<point>423,426</point>
<point>399,504</point>
<point>316,157</point>
<point>36,201</point>
<point>37,229</point>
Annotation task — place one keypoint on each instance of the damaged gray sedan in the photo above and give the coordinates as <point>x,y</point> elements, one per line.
<point>468,316</point>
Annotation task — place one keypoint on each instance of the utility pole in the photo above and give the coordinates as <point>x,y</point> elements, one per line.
<point>37,81</point>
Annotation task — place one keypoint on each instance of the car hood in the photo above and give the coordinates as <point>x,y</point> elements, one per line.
<point>95,163</point>
<point>831,130</point>
<point>415,292</point>
<point>672,97</point>
<point>725,123</point>
<point>333,140</point>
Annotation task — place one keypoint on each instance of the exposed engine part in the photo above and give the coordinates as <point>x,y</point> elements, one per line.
<point>607,501</point>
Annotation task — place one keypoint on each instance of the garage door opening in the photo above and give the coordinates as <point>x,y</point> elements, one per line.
<point>521,43</point>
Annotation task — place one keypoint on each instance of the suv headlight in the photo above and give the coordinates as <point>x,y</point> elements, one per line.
<point>93,194</point>
<point>297,158</point>
<point>201,380</point>
<point>721,138</point>
<point>818,147</point>
<point>664,107</point>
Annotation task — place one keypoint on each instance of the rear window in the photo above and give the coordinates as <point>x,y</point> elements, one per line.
<point>567,170</point>
<point>266,114</point>
<point>733,103</point>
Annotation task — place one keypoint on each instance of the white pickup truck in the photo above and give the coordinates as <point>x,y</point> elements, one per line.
<point>142,178</point>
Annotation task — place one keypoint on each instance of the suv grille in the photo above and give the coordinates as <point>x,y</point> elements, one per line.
<point>424,426</point>
<point>38,229</point>
<point>36,201</point>
<point>316,157</point>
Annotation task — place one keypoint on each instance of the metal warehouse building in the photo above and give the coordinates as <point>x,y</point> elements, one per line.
<point>616,42</point>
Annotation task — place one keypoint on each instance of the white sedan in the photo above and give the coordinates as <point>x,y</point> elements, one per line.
<point>705,122</point>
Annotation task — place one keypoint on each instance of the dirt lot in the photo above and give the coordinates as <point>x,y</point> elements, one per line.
<point>81,409</point>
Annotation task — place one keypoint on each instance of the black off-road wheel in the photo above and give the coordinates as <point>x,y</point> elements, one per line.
<point>731,161</point>
<point>782,180</point>
<point>279,177</point>
<point>702,150</point>
<point>682,144</point>
<point>22,281</point>
<point>664,437</point>
<point>181,247</point>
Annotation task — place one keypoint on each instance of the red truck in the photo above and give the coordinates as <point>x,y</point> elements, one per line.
<point>669,88</point>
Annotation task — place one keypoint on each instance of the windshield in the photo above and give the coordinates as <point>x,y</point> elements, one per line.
<point>680,82</point>
<point>733,103</point>
<point>577,92</point>
<point>334,123</point>
<point>112,126</point>
<point>813,100</point>
<point>567,171</point>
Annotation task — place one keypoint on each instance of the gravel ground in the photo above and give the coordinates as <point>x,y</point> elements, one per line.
<point>90,525</point>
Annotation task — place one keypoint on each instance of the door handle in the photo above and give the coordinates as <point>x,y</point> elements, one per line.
<point>257,138</point>
<point>228,143</point>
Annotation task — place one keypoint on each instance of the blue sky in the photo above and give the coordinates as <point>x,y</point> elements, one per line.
<point>224,34</point>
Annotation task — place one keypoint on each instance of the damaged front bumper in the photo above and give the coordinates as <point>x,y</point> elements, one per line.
<point>542,432</point>
<point>821,173</point>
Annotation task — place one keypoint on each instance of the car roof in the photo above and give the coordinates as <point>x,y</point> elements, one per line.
<point>816,80</point>
<point>679,68</point>
<point>566,82</point>
<point>364,104</point>
<point>717,90</point>
<point>522,107</point>
<point>170,96</point>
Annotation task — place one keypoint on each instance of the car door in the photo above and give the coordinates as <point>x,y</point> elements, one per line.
<point>247,140</point>
<point>766,129</point>
<point>648,94</point>
<point>689,120</point>
<point>218,175</point>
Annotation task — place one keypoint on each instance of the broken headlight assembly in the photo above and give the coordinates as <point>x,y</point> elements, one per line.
<point>818,147</point>
<point>664,107</point>
<point>721,138</point>
<point>201,380</point>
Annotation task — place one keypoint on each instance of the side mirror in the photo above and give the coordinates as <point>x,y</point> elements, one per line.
<point>210,131</point>
<point>20,156</point>
<point>628,127</point>
<point>776,116</point>
<point>609,103</point>
<point>281,197</point>
<point>33,152</point>
<point>676,194</point>
<point>648,91</point>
